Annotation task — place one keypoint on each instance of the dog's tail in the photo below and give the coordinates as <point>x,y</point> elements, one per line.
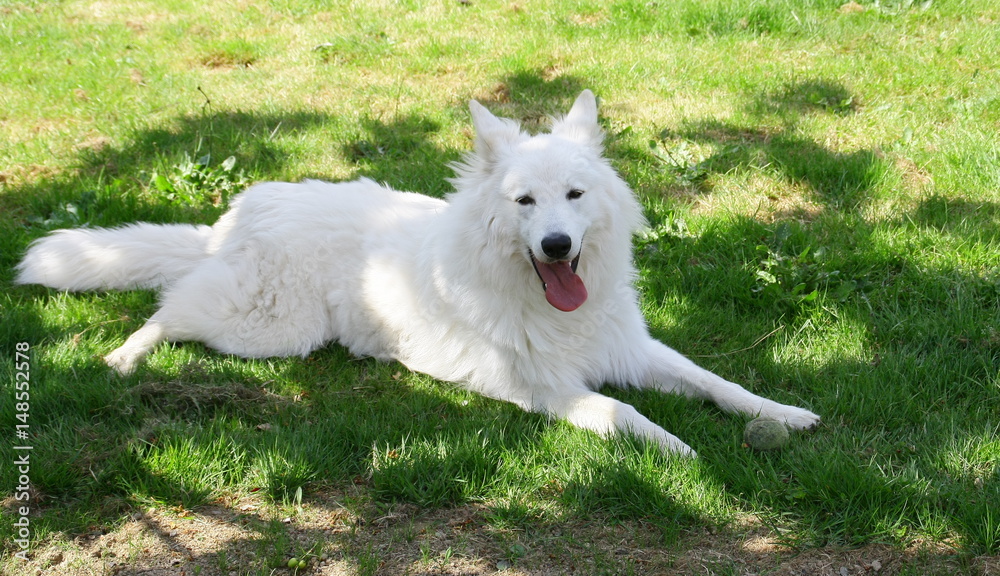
<point>136,256</point>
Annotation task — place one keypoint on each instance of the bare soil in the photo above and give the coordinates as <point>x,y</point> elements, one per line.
<point>252,537</point>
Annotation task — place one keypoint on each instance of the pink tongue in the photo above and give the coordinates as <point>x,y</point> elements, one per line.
<point>563,288</point>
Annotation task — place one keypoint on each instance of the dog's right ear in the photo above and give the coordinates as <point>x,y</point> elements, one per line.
<point>494,135</point>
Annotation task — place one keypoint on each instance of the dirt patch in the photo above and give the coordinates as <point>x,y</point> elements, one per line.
<point>249,536</point>
<point>228,59</point>
<point>94,144</point>
<point>190,395</point>
<point>28,175</point>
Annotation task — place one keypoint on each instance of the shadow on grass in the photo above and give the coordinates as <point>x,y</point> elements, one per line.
<point>876,470</point>
<point>774,144</point>
<point>806,97</point>
<point>401,152</point>
<point>109,185</point>
<point>532,96</point>
<point>253,137</point>
<point>839,180</point>
<point>976,221</point>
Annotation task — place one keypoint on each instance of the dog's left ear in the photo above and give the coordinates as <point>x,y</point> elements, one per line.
<point>580,124</point>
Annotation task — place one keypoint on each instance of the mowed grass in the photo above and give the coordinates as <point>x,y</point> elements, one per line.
<point>823,193</point>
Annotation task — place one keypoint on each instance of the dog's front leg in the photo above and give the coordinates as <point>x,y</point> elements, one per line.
<point>607,416</point>
<point>669,371</point>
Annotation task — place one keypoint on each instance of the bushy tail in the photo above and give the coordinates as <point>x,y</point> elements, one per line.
<point>136,256</point>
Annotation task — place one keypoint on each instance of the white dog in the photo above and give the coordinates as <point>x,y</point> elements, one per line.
<point>518,286</point>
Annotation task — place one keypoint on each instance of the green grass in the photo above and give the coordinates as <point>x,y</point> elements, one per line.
<point>823,190</point>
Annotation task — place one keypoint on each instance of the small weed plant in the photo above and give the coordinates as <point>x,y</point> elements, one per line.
<point>195,183</point>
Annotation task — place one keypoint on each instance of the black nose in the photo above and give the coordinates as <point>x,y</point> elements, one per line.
<point>557,246</point>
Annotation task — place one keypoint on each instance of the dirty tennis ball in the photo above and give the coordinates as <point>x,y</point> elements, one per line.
<point>765,434</point>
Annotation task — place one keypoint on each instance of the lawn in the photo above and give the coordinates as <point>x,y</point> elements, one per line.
<point>822,185</point>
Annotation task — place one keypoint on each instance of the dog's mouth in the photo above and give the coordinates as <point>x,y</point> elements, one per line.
<point>563,288</point>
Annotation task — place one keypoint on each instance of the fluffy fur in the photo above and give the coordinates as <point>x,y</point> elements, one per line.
<point>470,290</point>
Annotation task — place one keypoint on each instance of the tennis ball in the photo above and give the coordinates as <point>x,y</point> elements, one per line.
<point>765,434</point>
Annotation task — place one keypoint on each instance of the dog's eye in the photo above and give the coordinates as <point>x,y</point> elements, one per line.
<point>525,201</point>
<point>574,194</point>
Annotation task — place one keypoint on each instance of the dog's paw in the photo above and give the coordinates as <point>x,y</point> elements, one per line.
<point>796,418</point>
<point>122,361</point>
<point>671,444</point>
<point>684,450</point>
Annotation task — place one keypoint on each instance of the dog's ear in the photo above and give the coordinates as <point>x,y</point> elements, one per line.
<point>493,135</point>
<point>580,124</point>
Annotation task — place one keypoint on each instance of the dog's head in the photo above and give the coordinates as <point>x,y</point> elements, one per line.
<point>551,199</point>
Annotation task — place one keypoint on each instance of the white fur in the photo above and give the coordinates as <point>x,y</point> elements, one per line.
<point>445,287</point>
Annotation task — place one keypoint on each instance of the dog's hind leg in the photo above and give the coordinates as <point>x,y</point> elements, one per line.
<point>184,308</point>
<point>669,371</point>
<point>125,358</point>
<point>248,305</point>
<point>598,413</point>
